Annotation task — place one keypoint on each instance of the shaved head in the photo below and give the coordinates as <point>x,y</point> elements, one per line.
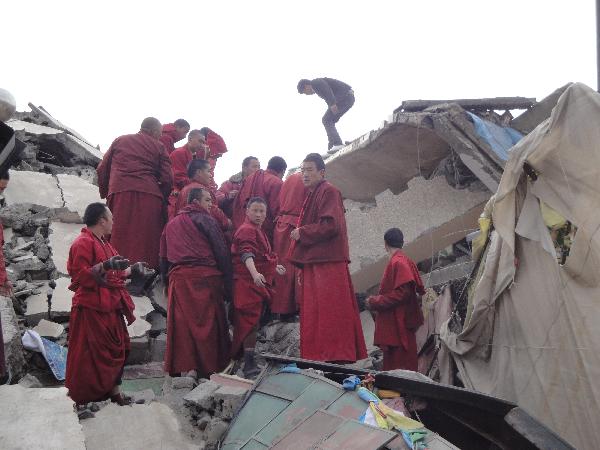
<point>151,126</point>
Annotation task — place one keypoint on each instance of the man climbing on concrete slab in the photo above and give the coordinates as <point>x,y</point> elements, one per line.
<point>397,306</point>
<point>172,133</point>
<point>229,190</point>
<point>136,179</point>
<point>196,267</point>
<point>98,337</point>
<point>330,328</point>
<point>255,266</point>
<point>339,98</point>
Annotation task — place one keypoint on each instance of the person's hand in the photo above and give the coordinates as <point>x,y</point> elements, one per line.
<point>280,269</point>
<point>295,234</point>
<point>233,194</point>
<point>334,109</point>
<point>6,290</point>
<point>116,263</point>
<point>368,303</point>
<point>259,279</point>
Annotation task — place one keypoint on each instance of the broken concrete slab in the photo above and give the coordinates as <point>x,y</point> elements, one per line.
<point>478,104</point>
<point>430,213</point>
<point>30,382</point>
<point>28,127</point>
<point>139,328</point>
<point>61,237</point>
<point>38,418</point>
<point>13,348</point>
<point>77,193</point>
<point>143,306</point>
<point>183,383</point>
<point>228,399</point>
<point>37,305</point>
<point>48,329</point>
<point>539,112</point>
<point>35,188</point>
<point>439,277</point>
<point>202,396</point>
<point>152,426</point>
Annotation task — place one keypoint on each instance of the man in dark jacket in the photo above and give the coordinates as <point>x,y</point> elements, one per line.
<point>339,98</point>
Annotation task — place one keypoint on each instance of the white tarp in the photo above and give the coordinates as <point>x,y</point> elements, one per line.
<point>534,335</point>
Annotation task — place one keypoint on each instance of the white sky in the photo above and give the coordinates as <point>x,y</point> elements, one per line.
<point>233,66</point>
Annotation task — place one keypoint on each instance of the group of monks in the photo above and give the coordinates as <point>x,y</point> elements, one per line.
<point>256,246</point>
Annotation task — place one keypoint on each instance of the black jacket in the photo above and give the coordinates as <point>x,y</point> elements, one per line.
<point>330,89</point>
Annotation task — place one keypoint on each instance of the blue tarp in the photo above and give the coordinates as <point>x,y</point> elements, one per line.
<point>500,139</point>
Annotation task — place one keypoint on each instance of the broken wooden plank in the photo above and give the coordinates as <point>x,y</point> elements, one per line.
<point>475,103</point>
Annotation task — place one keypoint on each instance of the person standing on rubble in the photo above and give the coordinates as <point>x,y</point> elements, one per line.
<point>397,307</point>
<point>172,133</point>
<point>229,190</point>
<point>339,98</point>
<point>255,266</point>
<point>330,328</point>
<point>196,267</point>
<point>136,179</point>
<point>98,337</point>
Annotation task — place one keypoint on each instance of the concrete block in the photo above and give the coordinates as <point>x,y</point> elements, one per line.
<point>228,398</point>
<point>153,426</point>
<point>139,328</point>
<point>202,396</point>
<point>215,429</point>
<point>39,418</point>
<point>77,193</point>
<point>158,347</point>
<point>30,382</point>
<point>33,187</point>
<point>61,237</point>
<point>143,306</point>
<point>13,348</point>
<point>183,383</point>
<point>48,329</point>
<point>37,305</point>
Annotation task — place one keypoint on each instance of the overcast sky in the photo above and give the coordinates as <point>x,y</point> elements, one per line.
<point>101,67</point>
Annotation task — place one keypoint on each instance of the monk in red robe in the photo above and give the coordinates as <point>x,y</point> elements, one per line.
<point>229,189</point>
<point>265,184</point>
<point>397,307</point>
<point>136,179</point>
<point>172,133</point>
<point>200,177</point>
<point>330,328</point>
<point>196,267</point>
<point>254,268</point>
<point>195,148</point>
<point>291,199</point>
<point>98,338</point>
<point>6,289</point>
<point>215,149</point>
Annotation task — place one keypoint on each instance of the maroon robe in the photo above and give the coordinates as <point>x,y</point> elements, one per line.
<point>98,338</point>
<point>197,260</point>
<point>135,177</point>
<point>217,148</point>
<point>330,328</point>
<point>266,185</point>
<point>180,160</point>
<point>291,198</point>
<point>249,299</point>
<point>398,313</point>
<point>169,137</point>
<point>225,203</point>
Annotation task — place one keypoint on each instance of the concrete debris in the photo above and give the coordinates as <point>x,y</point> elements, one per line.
<point>281,338</point>
<point>202,396</point>
<point>13,348</point>
<point>37,305</point>
<point>50,330</point>
<point>152,426</point>
<point>30,382</point>
<point>183,383</point>
<point>39,418</point>
<point>61,237</point>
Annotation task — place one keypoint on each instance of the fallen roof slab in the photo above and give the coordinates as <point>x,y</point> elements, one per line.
<point>478,104</point>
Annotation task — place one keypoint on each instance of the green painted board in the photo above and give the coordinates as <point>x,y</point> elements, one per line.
<point>349,406</point>
<point>284,385</point>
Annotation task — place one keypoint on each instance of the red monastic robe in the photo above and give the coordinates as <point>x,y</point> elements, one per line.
<point>98,338</point>
<point>249,299</point>
<point>399,313</point>
<point>291,198</point>
<point>169,137</point>
<point>180,160</point>
<point>199,280</point>
<point>330,328</point>
<point>225,203</point>
<point>265,184</point>
<point>217,148</point>
<point>136,179</point>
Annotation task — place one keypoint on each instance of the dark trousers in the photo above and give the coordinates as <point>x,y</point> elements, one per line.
<point>330,119</point>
